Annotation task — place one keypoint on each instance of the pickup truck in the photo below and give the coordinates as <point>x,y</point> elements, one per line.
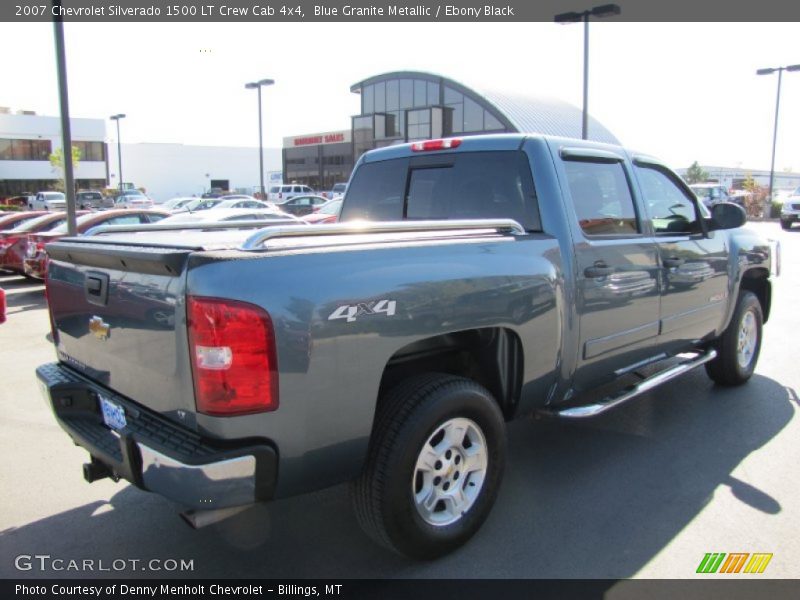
<point>470,282</point>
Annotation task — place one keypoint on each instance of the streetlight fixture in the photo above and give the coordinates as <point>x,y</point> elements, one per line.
<point>257,85</point>
<point>770,71</point>
<point>119,148</point>
<point>599,12</point>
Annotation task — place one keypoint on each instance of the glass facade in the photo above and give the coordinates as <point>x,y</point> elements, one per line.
<point>26,187</point>
<point>395,108</point>
<point>402,107</point>
<point>318,166</point>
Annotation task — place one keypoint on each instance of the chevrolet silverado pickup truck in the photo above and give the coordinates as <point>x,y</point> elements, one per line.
<point>470,282</point>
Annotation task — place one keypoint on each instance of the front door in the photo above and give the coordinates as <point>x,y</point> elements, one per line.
<point>694,265</point>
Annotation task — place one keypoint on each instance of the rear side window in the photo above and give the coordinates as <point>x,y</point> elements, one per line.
<point>472,185</point>
<point>602,198</point>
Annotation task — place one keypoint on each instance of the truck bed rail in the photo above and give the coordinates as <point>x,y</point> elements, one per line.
<point>257,240</point>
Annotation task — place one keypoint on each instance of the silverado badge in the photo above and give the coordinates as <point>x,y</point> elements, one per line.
<point>99,328</point>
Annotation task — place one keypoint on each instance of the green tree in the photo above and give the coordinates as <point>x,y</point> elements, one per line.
<point>57,162</point>
<point>695,174</point>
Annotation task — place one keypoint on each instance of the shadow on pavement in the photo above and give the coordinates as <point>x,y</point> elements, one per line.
<point>595,499</point>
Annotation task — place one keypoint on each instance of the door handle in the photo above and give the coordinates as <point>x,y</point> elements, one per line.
<point>673,261</point>
<point>599,269</point>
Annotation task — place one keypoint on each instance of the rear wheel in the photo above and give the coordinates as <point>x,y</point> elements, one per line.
<point>786,224</point>
<point>434,468</point>
<point>739,346</point>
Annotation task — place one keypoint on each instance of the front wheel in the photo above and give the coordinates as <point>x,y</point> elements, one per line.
<point>739,346</point>
<point>435,464</point>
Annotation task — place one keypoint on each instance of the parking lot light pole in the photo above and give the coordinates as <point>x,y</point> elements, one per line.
<point>119,148</point>
<point>770,71</point>
<point>257,86</point>
<point>598,12</point>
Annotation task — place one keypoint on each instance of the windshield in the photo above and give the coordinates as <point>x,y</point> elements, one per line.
<point>53,196</point>
<point>79,221</point>
<point>340,187</point>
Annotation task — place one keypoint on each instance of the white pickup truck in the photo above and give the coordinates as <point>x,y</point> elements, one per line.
<point>48,201</point>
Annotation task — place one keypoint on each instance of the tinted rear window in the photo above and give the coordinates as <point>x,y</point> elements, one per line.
<point>474,185</point>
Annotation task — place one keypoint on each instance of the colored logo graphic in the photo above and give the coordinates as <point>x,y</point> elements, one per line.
<point>736,562</point>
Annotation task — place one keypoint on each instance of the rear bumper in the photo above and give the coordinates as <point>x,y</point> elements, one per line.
<point>155,453</point>
<point>35,267</point>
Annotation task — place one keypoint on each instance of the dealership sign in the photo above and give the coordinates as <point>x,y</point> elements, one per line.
<point>315,139</point>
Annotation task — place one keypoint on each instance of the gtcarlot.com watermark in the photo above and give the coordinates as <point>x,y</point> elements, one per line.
<point>46,563</point>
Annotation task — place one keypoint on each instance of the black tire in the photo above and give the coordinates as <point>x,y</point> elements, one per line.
<point>383,496</point>
<point>787,225</point>
<point>726,368</point>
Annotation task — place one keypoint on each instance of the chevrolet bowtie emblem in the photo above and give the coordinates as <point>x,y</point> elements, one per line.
<point>98,328</point>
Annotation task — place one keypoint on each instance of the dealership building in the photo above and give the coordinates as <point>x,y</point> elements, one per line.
<point>28,139</point>
<point>404,106</point>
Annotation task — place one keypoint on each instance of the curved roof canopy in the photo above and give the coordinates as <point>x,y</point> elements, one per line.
<point>516,113</point>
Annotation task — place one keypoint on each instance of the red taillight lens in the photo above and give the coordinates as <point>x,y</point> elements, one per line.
<point>429,145</point>
<point>234,361</point>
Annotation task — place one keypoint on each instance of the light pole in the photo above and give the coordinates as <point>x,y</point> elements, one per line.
<point>780,70</point>
<point>119,148</point>
<point>599,12</point>
<point>257,86</point>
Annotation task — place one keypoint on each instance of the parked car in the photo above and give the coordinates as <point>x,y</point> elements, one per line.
<point>133,199</point>
<point>251,203</point>
<point>790,211</point>
<point>14,219</point>
<point>327,213</point>
<point>228,214</point>
<point>91,199</point>
<point>391,354</point>
<point>281,193</point>
<point>301,205</point>
<point>14,242</point>
<point>35,261</point>
<point>176,203</point>
<point>48,201</point>
<point>337,191</point>
<point>710,193</point>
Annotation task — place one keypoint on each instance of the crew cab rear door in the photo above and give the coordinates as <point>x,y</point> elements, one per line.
<point>617,269</point>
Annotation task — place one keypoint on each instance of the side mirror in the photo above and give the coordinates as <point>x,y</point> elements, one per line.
<point>727,215</point>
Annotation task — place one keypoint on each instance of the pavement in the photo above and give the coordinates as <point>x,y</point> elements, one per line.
<point>642,492</point>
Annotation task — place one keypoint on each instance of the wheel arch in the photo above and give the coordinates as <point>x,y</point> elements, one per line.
<point>757,281</point>
<point>492,357</point>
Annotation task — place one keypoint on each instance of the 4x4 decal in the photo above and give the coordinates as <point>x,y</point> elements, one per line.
<point>352,311</point>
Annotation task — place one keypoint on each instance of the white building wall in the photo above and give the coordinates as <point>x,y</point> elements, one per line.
<point>170,170</point>
<point>37,127</point>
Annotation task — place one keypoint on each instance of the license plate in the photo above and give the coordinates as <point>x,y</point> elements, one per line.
<point>113,414</point>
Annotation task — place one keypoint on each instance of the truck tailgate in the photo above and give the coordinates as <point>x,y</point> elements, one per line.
<point>118,318</point>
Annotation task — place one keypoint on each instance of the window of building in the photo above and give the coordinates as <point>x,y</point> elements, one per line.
<point>490,123</point>
<point>367,100</point>
<point>670,209</point>
<point>419,124</point>
<point>380,97</point>
<point>91,151</point>
<point>473,115</point>
<point>433,93</point>
<point>392,95</point>
<point>16,149</point>
<point>406,93</point>
<point>602,198</point>
<point>420,93</point>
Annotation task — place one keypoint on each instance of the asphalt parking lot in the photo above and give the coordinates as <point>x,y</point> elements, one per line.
<point>644,491</point>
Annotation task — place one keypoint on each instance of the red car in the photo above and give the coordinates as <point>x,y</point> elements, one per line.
<point>14,242</point>
<point>11,220</point>
<point>327,213</point>
<point>35,264</point>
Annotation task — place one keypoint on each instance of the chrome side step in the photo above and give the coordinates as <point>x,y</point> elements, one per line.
<point>591,410</point>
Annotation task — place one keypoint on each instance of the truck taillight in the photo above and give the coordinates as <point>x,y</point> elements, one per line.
<point>234,361</point>
<point>429,145</point>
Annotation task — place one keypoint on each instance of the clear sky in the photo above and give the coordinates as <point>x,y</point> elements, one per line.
<point>681,91</point>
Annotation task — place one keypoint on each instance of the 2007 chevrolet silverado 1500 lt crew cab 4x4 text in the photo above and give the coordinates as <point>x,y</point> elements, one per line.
<point>470,281</point>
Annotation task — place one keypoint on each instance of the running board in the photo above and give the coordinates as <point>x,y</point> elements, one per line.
<point>591,410</point>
